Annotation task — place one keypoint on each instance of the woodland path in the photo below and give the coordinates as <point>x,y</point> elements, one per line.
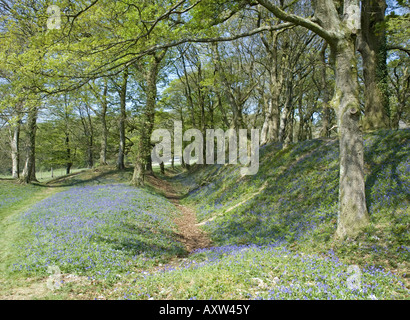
<point>188,231</point>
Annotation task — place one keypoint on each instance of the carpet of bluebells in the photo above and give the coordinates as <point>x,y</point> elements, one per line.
<point>264,272</point>
<point>12,193</point>
<point>300,199</point>
<point>252,259</point>
<point>102,231</point>
<point>98,231</point>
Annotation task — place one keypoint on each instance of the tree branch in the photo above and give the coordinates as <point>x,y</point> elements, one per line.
<point>397,47</point>
<point>300,21</point>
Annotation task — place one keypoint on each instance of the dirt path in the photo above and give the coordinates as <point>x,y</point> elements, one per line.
<point>189,234</point>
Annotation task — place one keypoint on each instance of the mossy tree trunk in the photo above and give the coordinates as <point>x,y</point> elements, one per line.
<point>69,160</point>
<point>104,130</point>
<point>325,130</point>
<point>123,117</point>
<point>270,127</point>
<point>372,46</point>
<point>139,167</point>
<point>29,172</point>
<point>340,31</point>
<point>15,152</point>
<point>147,121</point>
<point>353,214</point>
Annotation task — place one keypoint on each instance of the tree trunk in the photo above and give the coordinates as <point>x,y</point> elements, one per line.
<point>104,131</point>
<point>69,162</point>
<point>372,46</point>
<point>139,170</point>
<point>284,117</point>
<point>270,128</point>
<point>147,123</point>
<point>15,153</point>
<point>90,144</point>
<point>123,117</point>
<point>301,130</point>
<point>324,132</point>
<point>340,32</point>
<point>138,176</point>
<point>29,172</point>
<point>148,166</point>
<point>353,215</point>
<point>289,134</point>
<point>90,155</point>
<point>188,92</point>
<point>88,132</point>
<point>68,153</point>
<point>237,121</point>
<point>150,108</point>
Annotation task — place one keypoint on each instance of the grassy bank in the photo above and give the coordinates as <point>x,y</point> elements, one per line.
<point>272,232</point>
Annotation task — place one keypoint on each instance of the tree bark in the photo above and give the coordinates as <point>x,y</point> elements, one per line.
<point>353,215</point>
<point>29,172</point>
<point>150,106</point>
<point>340,32</point>
<point>89,136</point>
<point>104,131</point>
<point>237,121</point>
<point>324,132</point>
<point>69,163</point>
<point>289,129</point>
<point>139,170</point>
<point>372,46</point>
<point>15,152</point>
<point>284,117</point>
<point>147,123</point>
<point>188,92</point>
<point>270,127</point>
<point>123,117</point>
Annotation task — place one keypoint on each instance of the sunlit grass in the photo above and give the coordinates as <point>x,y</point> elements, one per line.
<point>44,176</point>
<point>97,231</point>
<point>260,272</point>
<point>273,232</point>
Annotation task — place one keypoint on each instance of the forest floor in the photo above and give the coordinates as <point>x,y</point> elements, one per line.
<point>37,287</point>
<point>210,233</point>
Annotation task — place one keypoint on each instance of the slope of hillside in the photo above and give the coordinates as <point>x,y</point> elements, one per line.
<point>273,232</point>
<point>293,198</point>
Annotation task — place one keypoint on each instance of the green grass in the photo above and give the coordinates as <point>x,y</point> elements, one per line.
<point>44,176</point>
<point>15,198</point>
<point>91,228</point>
<point>273,232</point>
<point>259,272</point>
<point>291,221</point>
<point>298,205</point>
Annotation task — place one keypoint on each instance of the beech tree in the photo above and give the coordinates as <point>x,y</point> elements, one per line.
<point>373,48</point>
<point>340,31</point>
<point>123,117</point>
<point>148,118</point>
<point>232,84</point>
